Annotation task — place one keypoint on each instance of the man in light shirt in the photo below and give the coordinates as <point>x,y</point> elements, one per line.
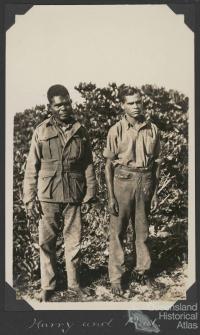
<point>132,174</point>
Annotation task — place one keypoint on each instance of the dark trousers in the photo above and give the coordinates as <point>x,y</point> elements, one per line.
<point>133,191</point>
<point>48,232</point>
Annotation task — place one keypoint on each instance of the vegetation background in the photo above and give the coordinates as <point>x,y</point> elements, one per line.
<point>99,110</point>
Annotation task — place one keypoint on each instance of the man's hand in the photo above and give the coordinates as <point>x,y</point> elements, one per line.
<point>86,205</point>
<point>32,217</point>
<point>113,207</point>
<point>30,210</point>
<point>89,199</point>
<point>154,202</point>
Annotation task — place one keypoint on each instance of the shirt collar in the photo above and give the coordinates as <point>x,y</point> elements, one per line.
<point>137,126</point>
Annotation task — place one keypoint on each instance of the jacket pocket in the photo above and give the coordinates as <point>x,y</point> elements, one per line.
<point>50,147</point>
<point>45,183</point>
<point>77,147</point>
<point>78,188</point>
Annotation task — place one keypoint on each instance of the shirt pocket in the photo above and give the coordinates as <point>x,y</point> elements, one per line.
<point>45,183</point>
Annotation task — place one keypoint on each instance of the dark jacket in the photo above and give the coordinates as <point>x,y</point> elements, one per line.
<point>57,171</point>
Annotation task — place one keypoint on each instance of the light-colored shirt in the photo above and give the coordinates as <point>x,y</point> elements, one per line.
<point>135,146</point>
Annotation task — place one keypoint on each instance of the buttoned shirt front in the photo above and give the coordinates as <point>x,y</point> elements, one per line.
<point>135,146</point>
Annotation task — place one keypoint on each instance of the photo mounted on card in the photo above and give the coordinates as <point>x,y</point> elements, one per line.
<point>100,166</point>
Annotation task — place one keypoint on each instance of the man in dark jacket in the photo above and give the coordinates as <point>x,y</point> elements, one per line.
<point>60,172</point>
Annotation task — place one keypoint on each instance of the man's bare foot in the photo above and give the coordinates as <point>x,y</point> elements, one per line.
<point>116,289</point>
<point>45,295</point>
<point>141,277</point>
<point>78,291</point>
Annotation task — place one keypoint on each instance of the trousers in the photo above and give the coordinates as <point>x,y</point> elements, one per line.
<point>133,191</point>
<point>48,232</point>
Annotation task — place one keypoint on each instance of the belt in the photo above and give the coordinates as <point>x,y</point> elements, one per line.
<point>134,169</point>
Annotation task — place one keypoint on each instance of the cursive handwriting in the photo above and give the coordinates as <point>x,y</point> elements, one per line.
<point>63,326</point>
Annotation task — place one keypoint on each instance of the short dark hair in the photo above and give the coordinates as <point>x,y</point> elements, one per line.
<point>127,90</point>
<point>56,90</point>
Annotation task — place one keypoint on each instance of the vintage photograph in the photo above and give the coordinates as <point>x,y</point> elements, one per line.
<point>100,157</point>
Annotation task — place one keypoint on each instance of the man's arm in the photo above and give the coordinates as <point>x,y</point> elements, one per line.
<point>110,153</point>
<point>156,173</point>
<point>109,174</point>
<point>91,185</point>
<point>31,175</point>
<point>156,176</point>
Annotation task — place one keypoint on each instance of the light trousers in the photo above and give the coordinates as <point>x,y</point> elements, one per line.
<point>133,192</point>
<point>48,232</point>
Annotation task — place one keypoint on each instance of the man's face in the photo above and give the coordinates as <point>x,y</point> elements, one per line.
<point>133,105</point>
<point>62,107</point>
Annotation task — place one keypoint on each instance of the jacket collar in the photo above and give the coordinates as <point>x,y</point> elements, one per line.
<point>52,122</point>
<point>75,127</point>
<point>51,129</point>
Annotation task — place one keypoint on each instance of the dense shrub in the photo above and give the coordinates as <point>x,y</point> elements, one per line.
<point>98,112</point>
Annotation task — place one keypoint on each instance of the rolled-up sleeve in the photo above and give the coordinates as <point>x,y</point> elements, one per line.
<point>111,149</point>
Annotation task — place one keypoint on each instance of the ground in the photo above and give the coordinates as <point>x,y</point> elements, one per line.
<point>165,286</point>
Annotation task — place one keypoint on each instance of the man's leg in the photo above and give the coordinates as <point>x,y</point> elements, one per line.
<point>72,240</point>
<point>48,230</point>
<point>142,206</point>
<point>118,225</point>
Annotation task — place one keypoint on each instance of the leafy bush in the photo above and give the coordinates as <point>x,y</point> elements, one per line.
<point>99,111</point>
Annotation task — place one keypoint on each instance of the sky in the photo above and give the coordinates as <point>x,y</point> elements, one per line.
<point>132,44</point>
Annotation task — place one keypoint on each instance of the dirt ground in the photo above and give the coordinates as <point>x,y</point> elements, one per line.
<point>165,286</point>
